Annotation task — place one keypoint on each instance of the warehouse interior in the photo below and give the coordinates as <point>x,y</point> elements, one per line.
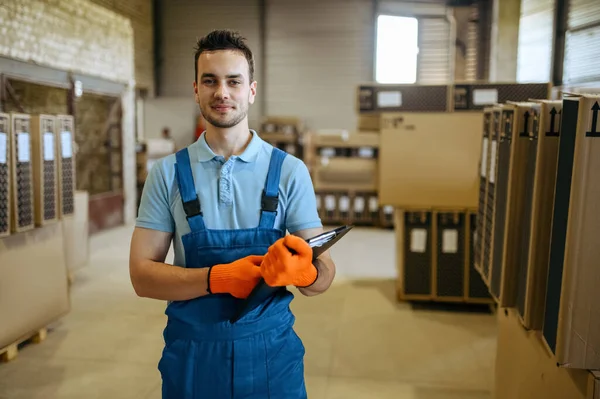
<point>458,137</point>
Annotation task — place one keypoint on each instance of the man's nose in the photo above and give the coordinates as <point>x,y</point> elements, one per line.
<point>222,92</point>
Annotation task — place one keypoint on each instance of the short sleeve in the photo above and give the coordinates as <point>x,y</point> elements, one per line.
<point>301,212</point>
<point>154,211</point>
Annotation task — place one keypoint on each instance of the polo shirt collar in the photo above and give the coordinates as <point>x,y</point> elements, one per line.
<point>205,153</point>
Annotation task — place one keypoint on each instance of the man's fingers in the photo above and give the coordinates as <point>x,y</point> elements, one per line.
<point>255,259</point>
<point>299,245</point>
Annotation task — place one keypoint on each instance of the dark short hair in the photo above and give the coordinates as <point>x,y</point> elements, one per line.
<point>224,39</point>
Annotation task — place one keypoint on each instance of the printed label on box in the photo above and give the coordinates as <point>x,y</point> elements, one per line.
<point>418,240</point>
<point>3,148</point>
<point>66,145</point>
<point>492,177</point>
<point>485,96</point>
<point>373,204</point>
<point>23,142</point>
<point>365,152</point>
<point>390,99</point>
<point>450,241</point>
<point>359,204</point>
<point>328,152</point>
<point>330,203</point>
<point>484,156</point>
<point>48,147</point>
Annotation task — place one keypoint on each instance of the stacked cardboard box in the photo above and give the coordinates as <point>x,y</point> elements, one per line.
<point>432,139</point>
<point>285,133</point>
<point>37,181</point>
<point>343,166</point>
<point>543,260</point>
<point>434,252</point>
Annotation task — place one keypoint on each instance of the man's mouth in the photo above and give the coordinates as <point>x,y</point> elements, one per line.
<point>222,107</point>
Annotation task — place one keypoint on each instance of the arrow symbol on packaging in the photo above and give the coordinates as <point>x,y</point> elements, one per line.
<point>552,133</point>
<point>593,132</point>
<point>525,133</point>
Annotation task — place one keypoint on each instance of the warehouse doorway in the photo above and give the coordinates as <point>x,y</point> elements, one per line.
<point>100,158</point>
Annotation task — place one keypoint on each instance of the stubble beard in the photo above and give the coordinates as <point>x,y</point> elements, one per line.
<point>235,117</point>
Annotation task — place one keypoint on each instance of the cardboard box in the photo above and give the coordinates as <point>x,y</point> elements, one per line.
<point>532,283</point>
<point>369,122</point>
<point>343,139</point>
<point>572,314</point>
<point>472,96</point>
<point>433,256</point>
<point>509,209</point>
<point>525,369</point>
<point>33,282</point>
<point>339,173</point>
<point>23,206</point>
<point>484,167</point>
<point>430,159</point>
<point>45,168</point>
<point>414,246</point>
<point>5,175</point>
<point>76,234</point>
<point>475,290</point>
<point>66,164</point>
<point>373,98</point>
<point>496,122</point>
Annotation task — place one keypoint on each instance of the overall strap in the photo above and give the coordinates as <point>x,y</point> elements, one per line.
<point>270,196</point>
<point>187,190</point>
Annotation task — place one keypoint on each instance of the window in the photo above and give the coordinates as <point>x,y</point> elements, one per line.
<point>397,49</point>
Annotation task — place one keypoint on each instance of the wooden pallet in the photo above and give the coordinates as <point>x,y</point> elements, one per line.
<point>11,351</point>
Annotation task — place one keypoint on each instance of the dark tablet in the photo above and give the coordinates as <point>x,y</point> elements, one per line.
<point>262,291</point>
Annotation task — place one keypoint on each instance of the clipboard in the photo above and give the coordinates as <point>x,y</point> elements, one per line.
<point>263,291</point>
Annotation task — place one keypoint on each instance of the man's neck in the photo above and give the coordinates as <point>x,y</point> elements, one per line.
<point>228,142</point>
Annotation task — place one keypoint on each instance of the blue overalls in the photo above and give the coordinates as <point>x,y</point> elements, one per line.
<point>205,356</point>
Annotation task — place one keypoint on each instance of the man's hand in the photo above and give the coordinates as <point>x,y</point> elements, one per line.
<point>289,262</point>
<point>237,278</point>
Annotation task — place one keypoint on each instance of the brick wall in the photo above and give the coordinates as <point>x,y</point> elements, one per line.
<point>140,14</point>
<point>78,36</point>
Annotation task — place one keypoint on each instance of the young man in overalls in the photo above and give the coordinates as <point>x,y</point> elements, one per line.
<point>226,202</point>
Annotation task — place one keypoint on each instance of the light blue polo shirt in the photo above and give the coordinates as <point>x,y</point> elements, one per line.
<point>229,192</point>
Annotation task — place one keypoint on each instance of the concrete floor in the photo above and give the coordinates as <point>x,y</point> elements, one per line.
<point>360,343</point>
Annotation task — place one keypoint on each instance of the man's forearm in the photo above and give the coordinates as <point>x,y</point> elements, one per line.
<point>326,269</point>
<point>167,282</point>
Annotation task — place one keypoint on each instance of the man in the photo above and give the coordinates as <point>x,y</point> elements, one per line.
<point>226,202</point>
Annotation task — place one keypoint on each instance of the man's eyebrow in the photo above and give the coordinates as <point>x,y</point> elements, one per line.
<point>212,75</point>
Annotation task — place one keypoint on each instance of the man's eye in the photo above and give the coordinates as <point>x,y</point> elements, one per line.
<point>208,81</point>
<point>235,82</point>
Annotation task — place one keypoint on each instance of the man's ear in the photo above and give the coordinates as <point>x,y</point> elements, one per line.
<point>195,85</point>
<point>252,93</point>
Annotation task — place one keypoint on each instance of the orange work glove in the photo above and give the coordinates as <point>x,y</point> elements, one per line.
<point>289,262</point>
<point>237,278</point>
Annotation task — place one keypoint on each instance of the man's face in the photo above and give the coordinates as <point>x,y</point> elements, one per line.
<point>224,90</point>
